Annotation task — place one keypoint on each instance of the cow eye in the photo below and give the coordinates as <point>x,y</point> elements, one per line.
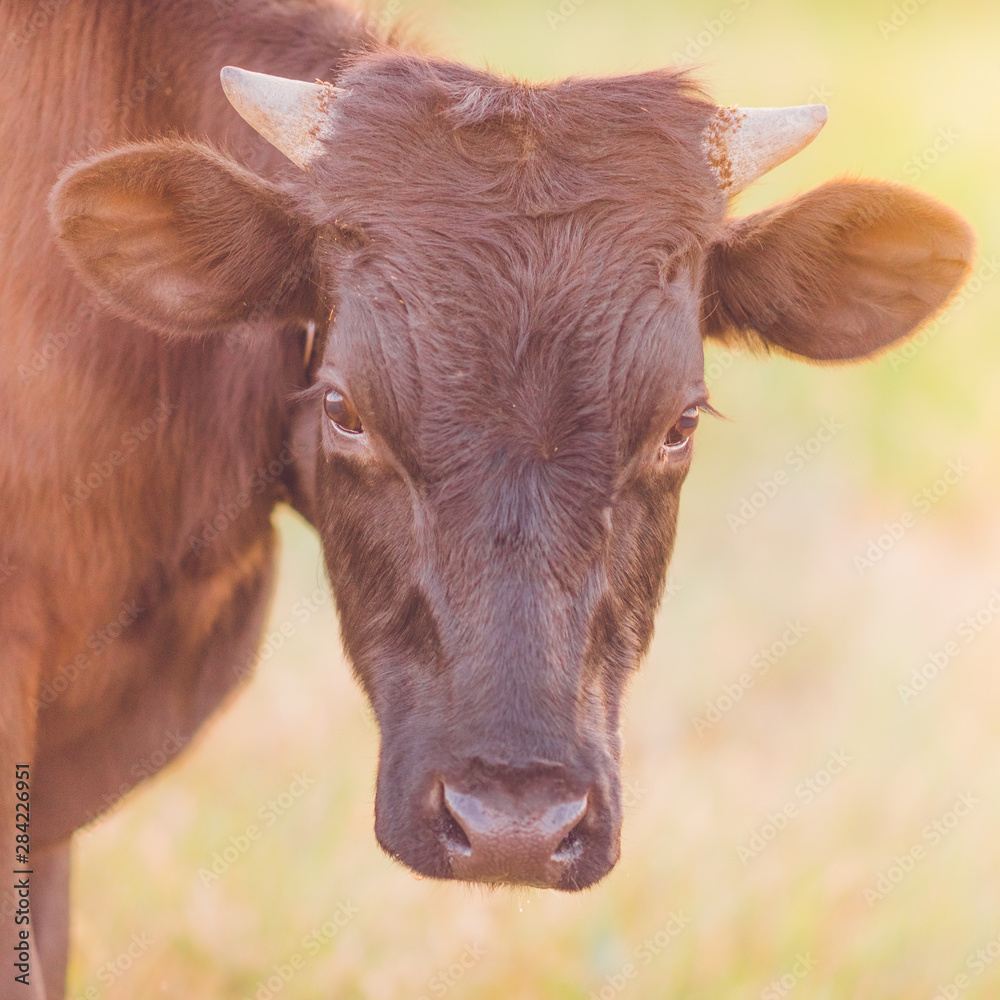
<point>680,434</point>
<point>342,413</point>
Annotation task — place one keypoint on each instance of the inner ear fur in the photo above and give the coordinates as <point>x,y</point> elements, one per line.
<point>178,237</point>
<point>839,273</point>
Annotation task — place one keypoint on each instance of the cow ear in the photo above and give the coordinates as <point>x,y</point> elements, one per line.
<point>840,273</point>
<point>179,238</point>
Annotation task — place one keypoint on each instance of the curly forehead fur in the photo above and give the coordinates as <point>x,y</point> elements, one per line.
<point>452,134</point>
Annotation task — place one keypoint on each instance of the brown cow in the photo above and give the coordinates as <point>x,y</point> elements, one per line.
<point>508,287</point>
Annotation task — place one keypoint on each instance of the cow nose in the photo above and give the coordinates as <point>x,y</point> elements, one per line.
<point>513,831</point>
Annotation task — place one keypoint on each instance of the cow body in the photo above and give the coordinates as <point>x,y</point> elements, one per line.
<point>510,286</point>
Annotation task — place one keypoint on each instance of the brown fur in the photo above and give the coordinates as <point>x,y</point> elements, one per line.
<point>93,75</point>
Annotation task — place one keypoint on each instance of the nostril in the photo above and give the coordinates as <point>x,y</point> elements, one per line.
<point>451,834</point>
<point>571,846</point>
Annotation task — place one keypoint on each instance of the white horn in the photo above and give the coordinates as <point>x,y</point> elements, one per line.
<point>292,115</point>
<point>742,144</point>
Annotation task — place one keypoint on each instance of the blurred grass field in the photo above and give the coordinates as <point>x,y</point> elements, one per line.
<point>881,881</point>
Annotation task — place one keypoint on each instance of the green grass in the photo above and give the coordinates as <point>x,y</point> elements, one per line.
<point>698,796</point>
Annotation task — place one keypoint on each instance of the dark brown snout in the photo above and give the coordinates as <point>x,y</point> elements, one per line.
<point>518,827</point>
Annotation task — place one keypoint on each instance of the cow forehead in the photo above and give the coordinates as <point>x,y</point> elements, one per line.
<point>411,132</point>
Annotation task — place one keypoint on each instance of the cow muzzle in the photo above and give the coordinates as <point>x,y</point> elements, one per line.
<point>526,825</point>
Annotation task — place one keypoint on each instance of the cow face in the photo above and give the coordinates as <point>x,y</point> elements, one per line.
<point>513,283</point>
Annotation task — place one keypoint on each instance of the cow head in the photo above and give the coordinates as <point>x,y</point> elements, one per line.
<point>512,285</point>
